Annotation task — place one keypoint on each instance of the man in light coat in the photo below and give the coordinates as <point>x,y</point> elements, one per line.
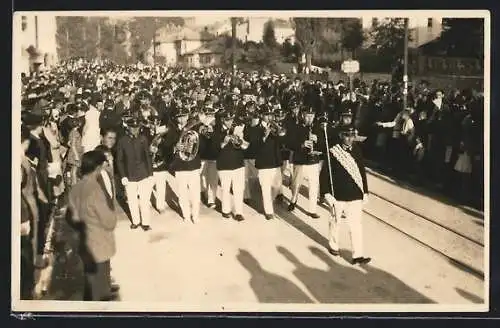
<point>91,136</point>
<point>93,207</point>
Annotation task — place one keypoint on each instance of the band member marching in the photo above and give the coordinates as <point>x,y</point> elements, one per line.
<point>268,159</point>
<point>251,133</point>
<point>230,164</point>
<point>134,166</point>
<point>347,180</point>
<point>208,155</point>
<point>185,161</point>
<point>305,159</point>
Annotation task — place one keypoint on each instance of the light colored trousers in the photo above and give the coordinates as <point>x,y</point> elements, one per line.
<point>209,179</point>
<point>188,191</point>
<point>311,173</point>
<point>138,198</point>
<point>270,183</point>
<point>236,179</point>
<point>353,213</point>
<point>160,186</point>
<point>251,175</point>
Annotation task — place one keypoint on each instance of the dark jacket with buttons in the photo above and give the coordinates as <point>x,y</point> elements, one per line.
<point>268,153</point>
<point>344,187</point>
<point>133,158</point>
<point>229,157</point>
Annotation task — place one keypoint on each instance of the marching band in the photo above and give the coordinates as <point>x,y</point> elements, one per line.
<point>217,144</point>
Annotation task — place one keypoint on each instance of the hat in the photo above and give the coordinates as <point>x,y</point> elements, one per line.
<point>181,111</point>
<point>33,118</point>
<point>308,110</point>
<point>132,122</point>
<point>347,130</point>
<point>109,104</point>
<point>227,115</point>
<point>266,110</point>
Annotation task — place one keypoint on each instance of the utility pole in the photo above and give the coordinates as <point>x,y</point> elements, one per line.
<point>84,37</point>
<point>405,72</point>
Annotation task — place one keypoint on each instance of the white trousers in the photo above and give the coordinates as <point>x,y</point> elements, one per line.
<point>311,173</point>
<point>209,179</point>
<point>353,213</point>
<point>188,191</point>
<point>160,186</point>
<point>139,200</point>
<point>270,183</point>
<point>251,175</point>
<point>236,179</point>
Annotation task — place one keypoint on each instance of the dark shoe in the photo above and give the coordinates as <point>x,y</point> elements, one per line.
<point>291,207</point>
<point>239,217</point>
<point>110,298</point>
<point>280,198</point>
<point>361,260</point>
<point>134,226</point>
<point>333,252</point>
<point>115,288</point>
<point>226,215</point>
<point>146,227</point>
<point>321,200</point>
<point>269,216</point>
<point>314,215</point>
<point>211,205</point>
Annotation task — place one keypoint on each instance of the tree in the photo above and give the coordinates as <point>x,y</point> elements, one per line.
<point>143,29</point>
<point>352,34</point>
<point>388,37</point>
<point>288,50</point>
<point>308,31</point>
<point>269,36</point>
<point>463,37</point>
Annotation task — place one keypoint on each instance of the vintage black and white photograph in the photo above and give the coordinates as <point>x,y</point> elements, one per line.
<point>251,161</point>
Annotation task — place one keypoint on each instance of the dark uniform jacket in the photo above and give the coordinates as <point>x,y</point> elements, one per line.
<point>301,155</point>
<point>133,159</point>
<point>252,134</point>
<point>268,153</point>
<point>229,157</point>
<point>174,162</point>
<point>345,189</point>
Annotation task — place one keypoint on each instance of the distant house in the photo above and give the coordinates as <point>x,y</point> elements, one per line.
<point>38,42</point>
<point>422,29</point>
<point>204,56</point>
<point>252,29</point>
<point>172,42</point>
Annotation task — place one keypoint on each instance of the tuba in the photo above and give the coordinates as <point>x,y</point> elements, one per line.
<point>189,143</point>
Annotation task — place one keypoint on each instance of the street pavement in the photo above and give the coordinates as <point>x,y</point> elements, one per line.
<point>281,261</point>
<point>221,261</point>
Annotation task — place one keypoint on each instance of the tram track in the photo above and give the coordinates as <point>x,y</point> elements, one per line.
<point>459,249</point>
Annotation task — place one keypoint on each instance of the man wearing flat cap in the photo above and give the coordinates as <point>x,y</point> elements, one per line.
<point>346,190</point>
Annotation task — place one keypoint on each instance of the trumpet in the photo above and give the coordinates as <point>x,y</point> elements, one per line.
<point>311,151</point>
<point>276,128</point>
<point>237,140</point>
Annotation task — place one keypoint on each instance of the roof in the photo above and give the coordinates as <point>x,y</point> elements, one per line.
<point>214,47</point>
<point>172,34</point>
<point>282,23</point>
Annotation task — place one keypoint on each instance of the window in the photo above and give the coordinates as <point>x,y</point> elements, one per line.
<point>205,59</point>
<point>429,22</point>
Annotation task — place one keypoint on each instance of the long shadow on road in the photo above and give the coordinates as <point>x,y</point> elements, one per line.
<point>345,284</point>
<point>269,287</point>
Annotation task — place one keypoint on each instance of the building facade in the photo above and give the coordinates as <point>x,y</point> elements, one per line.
<point>37,40</point>
<point>422,29</point>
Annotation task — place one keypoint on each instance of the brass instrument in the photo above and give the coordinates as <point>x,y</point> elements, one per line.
<point>189,143</point>
<point>237,140</point>
<point>311,151</point>
<point>277,128</point>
